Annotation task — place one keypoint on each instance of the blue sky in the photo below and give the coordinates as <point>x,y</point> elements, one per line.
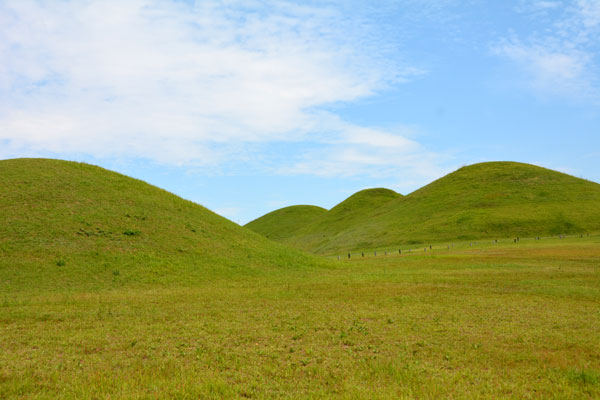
<point>248,106</point>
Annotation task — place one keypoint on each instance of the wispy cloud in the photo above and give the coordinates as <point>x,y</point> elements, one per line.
<point>562,58</point>
<point>538,5</point>
<point>182,83</point>
<point>552,69</point>
<point>355,150</point>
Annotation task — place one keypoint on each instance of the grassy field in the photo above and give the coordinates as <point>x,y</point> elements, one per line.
<point>496,321</point>
<point>113,288</point>
<point>488,200</point>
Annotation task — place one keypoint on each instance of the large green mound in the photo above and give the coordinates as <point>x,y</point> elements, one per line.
<point>283,223</point>
<point>76,225</point>
<point>486,200</point>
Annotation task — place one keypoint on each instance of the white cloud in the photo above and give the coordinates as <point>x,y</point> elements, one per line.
<point>178,83</point>
<point>562,59</point>
<point>537,6</point>
<point>589,11</point>
<point>552,70</point>
<point>368,152</point>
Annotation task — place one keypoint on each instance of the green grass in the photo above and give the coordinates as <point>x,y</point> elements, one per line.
<point>284,222</point>
<point>492,322</point>
<point>112,288</point>
<point>487,200</point>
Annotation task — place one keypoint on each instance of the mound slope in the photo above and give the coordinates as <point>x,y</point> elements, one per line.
<point>77,225</point>
<point>284,222</point>
<point>486,200</point>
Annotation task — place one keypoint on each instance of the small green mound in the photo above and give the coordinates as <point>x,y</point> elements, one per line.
<point>351,212</point>
<point>283,223</point>
<point>363,201</point>
<point>71,225</point>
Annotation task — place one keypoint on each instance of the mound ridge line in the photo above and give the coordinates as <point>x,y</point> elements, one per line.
<point>481,201</point>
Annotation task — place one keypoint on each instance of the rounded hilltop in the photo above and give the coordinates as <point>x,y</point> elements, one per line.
<point>288,222</point>
<point>484,200</point>
<point>282,223</point>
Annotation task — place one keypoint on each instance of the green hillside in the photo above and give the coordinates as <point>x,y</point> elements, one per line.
<point>353,212</point>
<point>77,225</point>
<point>283,223</point>
<point>292,221</point>
<point>486,200</point>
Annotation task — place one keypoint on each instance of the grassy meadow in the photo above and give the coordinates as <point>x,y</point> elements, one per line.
<point>493,321</point>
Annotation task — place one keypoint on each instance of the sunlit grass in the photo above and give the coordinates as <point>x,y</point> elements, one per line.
<point>491,322</point>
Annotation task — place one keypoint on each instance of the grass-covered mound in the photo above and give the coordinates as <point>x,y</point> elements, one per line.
<point>486,200</point>
<point>354,210</point>
<point>284,222</point>
<point>292,221</point>
<point>69,224</point>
